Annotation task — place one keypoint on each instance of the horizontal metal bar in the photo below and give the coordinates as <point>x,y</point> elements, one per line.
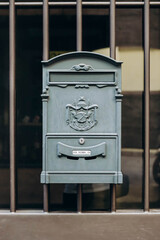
<point>108,3</point>
<point>123,4</point>
<point>123,212</point>
<point>4,4</point>
<point>23,3</point>
<point>62,3</point>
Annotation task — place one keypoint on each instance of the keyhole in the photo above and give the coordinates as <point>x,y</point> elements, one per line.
<point>81,141</point>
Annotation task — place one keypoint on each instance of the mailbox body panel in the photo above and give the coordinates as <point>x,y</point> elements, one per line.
<point>102,97</point>
<point>81,119</point>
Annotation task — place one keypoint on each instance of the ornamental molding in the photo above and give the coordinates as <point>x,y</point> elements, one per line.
<point>82,67</point>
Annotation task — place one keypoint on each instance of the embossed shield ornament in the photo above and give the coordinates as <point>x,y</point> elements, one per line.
<point>81,116</point>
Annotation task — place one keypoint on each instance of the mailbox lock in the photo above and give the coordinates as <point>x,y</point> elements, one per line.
<point>81,141</point>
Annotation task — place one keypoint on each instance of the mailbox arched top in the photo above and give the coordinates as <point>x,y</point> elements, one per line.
<point>73,55</point>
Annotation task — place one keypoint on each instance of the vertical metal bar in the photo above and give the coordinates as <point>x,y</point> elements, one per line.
<point>146,101</point>
<point>12,105</point>
<point>113,197</point>
<point>45,197</point>
<point>79,25</point>
<point>112,29</point>
<point>45,30</point>
<point>45,58</point>
<point>79,198</point>
<point>79,48</point>
<point>112,55</point>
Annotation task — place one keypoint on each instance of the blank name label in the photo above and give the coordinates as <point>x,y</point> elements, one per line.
<point>82,152</point>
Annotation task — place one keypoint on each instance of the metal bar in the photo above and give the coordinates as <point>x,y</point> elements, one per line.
<point>107,3</point>
<point>28,3</point>
<point>154,3</point>
<point>79,198</point>
<point>112,29</point>
<point>4,4</point>
<point>62,3</point>
<point>112,55</point>
<point>79,48</point>
<point>123,4</point>
<point>113,197</point>
<point>45,58</point>
<point>146,103</point>
<point>12,105</point>
<point>45,30</point>
<point>45,197</point>
<point>79,25</point>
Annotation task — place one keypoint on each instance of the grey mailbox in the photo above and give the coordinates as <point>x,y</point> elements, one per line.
<point>81,119</point>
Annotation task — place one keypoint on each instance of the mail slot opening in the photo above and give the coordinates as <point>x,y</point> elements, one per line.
<point>86,158</point>
<point>77,158</point>
<point>72,158</point>
<point>90,158</point>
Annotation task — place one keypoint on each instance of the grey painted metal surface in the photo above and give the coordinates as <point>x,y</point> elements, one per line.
<point>81,119</point>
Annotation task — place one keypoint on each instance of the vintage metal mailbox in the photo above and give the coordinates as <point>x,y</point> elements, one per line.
<point>81,119</point>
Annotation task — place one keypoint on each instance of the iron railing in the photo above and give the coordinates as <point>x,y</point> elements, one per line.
<point>12,66</point>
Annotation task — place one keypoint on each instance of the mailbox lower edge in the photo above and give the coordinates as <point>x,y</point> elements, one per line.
<point>47,178</point>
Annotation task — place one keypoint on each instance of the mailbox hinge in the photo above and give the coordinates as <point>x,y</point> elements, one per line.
<point>45,94</point>
<point>118,94</point>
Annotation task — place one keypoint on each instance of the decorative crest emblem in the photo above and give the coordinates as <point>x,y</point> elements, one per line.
<point>81,116</point>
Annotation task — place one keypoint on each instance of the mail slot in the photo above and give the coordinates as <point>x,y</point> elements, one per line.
<point>81,119</point>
